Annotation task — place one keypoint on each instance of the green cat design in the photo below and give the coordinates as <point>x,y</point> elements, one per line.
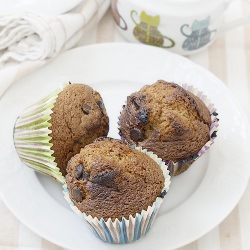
<point>147,31</point>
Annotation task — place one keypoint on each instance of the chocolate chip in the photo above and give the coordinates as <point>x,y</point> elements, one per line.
<point>184,160</point>
<point>178,128</point>
<point>143,116</point>
<point>191,158</point>
<point>214,134</point>
<point>105,178</point>
<point>77,194</point>
<point>70,82</point>
<point>195,156</point>
<point>136,134</point>
<point>100,105</point>
<point>80,173</point>
<point>85,175</point>
<point>86,108</point>
<point>136,102</point>
<point>120,132</point>
<point>215,113</point>
<point>163,193</point>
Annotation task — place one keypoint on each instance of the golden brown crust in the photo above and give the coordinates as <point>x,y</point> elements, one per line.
<point>78,117</point>
<point>166,119</point>
<point>108,179</point>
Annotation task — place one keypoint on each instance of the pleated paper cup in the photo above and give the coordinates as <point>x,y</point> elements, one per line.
<point>125,230</point>
<point>32,138</point>
<point>178,167</point>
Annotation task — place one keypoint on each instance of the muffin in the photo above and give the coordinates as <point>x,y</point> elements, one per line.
<point>168,120</point>
<point>48,133</point>
<point>110,182</point>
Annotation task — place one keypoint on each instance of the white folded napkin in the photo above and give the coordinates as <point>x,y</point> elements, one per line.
<point>28,40</point>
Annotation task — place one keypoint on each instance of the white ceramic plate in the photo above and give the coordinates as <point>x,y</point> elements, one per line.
<point>53,7</point>
<point>198,200</point>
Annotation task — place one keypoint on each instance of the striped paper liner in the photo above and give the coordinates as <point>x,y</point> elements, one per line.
<point>125,230</point>
<point>32,137</point>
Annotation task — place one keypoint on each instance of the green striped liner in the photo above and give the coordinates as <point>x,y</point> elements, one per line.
<point>32,137</point>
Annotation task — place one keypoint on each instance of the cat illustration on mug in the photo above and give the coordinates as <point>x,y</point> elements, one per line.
<point>199,36</point>
<point>146,31</point>
<point>117,17</point>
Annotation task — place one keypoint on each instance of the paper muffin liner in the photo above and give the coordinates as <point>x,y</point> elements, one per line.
<point>176,168</point>
<point>31,136</point>
<point>125,230</point>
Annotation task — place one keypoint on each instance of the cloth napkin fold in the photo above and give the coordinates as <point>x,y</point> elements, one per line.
<point>28,40</point>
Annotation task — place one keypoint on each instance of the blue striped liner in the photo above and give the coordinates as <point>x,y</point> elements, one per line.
<point>94,231</point>
<point>151,220</point>
<point>137,229</point>
<point>123,232</point>
<point>108,235</point>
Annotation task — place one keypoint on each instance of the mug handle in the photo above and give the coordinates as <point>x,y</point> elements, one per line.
<point>125,27</point>
<point>235,23</point>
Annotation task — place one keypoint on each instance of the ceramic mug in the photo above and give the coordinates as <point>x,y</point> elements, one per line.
<point>182,26</point>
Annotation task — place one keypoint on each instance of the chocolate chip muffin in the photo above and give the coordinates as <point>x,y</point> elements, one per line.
<point>48,133</point>
<point>167,120</point>
<point>108,179</point>
<point>78,117</point>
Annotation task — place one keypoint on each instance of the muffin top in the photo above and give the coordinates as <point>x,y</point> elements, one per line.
<point>167,120</point>
<point>108,179</point>
<point>78,117</point>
